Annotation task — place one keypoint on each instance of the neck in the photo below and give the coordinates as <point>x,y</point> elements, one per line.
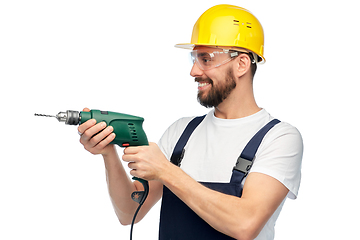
<point>240,103</point>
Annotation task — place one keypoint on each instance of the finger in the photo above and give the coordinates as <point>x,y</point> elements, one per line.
<point>131,165</point>
<point>90,132</point>
<point>95,140</point>
<point>106,141</point>
<point>86,125</point>
<point>131,150</point>
<point>127,158</point>
<point>86,110</point>
<point>133,173</point>
<point>134,168</point>
<point>130,158</point>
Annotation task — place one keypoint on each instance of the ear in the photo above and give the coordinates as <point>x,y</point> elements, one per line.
<point>242,65</point>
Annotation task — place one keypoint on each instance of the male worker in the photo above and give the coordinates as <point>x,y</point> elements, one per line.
<point>208,191</point>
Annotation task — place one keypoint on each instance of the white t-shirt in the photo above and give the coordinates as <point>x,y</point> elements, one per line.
<point>215,145</point>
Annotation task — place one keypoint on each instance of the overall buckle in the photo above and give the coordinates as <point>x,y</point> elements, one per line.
<point>243,165</point>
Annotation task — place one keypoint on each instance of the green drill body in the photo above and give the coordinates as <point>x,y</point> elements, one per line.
<point>127,128</point>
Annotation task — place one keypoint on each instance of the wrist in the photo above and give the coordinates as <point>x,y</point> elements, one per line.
<point>110,156</point>
<point>170,175</point>
<point>109,151</point>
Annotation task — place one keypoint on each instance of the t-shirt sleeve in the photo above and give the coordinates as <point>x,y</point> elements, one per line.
<point>280,156</point>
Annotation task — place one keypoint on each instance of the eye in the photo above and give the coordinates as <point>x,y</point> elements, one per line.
<point>204,58</point>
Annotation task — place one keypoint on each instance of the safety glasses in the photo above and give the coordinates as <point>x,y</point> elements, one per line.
<point>208,60</point>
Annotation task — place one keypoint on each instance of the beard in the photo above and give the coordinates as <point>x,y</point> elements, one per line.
<point>217,93</point>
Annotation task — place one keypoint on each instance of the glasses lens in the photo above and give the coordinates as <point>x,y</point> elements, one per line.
<point>209,60</point>
<point>192,57</point>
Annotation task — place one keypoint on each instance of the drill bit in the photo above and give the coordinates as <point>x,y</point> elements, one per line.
<point>69,117</point>
<point>44,115</point>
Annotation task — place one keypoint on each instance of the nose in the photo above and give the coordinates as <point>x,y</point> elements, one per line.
<point>196,71</point>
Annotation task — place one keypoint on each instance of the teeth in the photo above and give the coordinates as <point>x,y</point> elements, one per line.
<point>203,84</point>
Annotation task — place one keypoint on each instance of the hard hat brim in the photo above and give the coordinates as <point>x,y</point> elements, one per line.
<point>185,46</point>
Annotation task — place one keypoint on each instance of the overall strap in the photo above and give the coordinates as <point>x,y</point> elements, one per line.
<point>179,150</point>
<point>245,161</point>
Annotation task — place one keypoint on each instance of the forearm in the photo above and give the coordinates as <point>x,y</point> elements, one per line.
<point>120,187</point>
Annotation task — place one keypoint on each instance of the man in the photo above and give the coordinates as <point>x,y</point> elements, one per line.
<point>204,198</point>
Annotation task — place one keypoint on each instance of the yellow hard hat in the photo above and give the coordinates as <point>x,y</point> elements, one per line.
<point>228,26</point>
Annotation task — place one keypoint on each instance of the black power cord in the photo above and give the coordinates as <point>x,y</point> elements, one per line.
<point>139,197</point>
<point>133,221</point>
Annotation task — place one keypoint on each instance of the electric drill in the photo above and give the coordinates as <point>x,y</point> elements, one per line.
<point>128,130</point>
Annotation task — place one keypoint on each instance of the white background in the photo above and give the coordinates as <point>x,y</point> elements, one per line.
<point>119,56</point>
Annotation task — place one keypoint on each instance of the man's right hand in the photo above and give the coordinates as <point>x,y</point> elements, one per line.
<point>95,137</point>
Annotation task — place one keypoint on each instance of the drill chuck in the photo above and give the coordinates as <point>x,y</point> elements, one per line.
<point>69,117</point>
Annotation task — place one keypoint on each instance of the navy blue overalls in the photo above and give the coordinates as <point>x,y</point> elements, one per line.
<point>177,220</point>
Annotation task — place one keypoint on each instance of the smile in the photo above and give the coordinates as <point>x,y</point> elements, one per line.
<point>202,85</point>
